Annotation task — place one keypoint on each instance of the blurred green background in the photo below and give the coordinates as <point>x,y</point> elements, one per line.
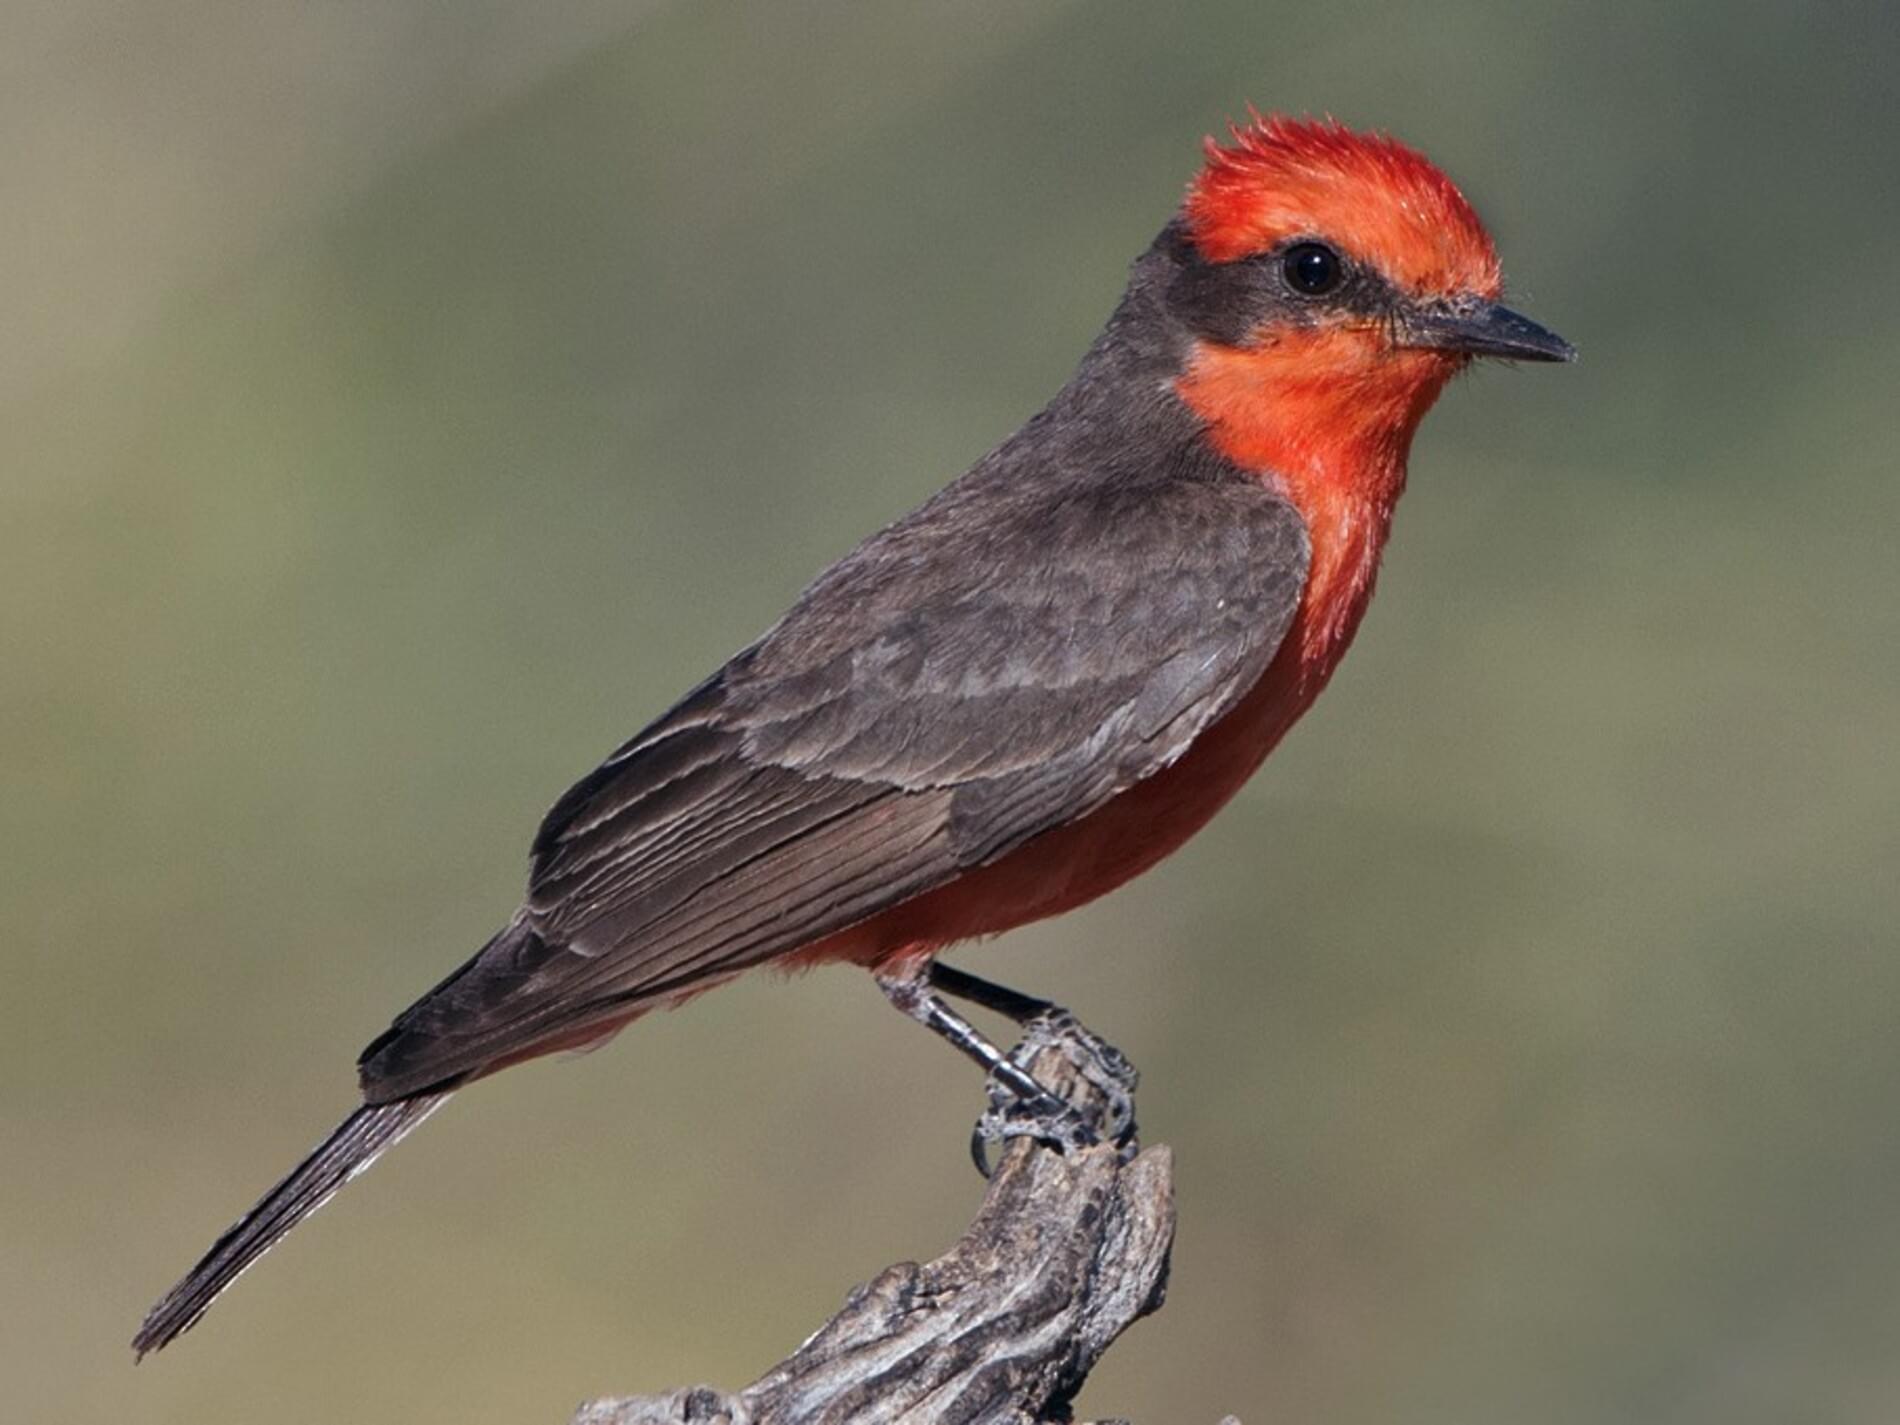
<point>401,402</point>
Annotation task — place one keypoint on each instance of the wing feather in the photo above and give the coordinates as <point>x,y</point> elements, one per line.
<point>918,713</point>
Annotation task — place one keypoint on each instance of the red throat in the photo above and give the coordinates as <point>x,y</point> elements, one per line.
<point>1326,411</point>
<point>1326,416</point>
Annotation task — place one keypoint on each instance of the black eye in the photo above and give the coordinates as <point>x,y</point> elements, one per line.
<point>1312,268</point>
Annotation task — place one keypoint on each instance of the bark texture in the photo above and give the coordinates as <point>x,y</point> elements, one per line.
<point>1069,1248</point>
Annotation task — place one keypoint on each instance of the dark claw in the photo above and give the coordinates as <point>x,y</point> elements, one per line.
<point>1102,1065</point>
<point>1047,1118</point>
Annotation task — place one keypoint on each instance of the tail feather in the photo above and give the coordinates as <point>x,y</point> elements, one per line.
<point>358,1141</point>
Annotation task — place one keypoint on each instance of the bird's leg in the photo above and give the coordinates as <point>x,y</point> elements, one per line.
<point>1031,1109</point>
<point>1100,1062</point>
<point>909,985</point>
<point>1011,1004</point>
<point>1010,1114</point>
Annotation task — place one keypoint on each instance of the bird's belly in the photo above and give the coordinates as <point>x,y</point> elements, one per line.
<point>1071,865</point>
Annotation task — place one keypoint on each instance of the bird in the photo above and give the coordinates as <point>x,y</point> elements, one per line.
<point>1025,692</point>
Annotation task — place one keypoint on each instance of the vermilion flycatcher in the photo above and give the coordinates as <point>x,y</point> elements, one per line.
<point>1026,691</point>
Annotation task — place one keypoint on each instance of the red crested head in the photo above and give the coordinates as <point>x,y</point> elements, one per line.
<point>1384,203</point>
<point>1334,282</point>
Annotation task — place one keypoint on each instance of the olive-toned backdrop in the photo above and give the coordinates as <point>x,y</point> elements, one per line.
<point>400,402</point>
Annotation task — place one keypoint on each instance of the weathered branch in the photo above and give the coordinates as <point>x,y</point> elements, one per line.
<point>1068,1249</point>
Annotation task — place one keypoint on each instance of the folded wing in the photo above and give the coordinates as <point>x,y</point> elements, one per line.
<point>1001,662</point>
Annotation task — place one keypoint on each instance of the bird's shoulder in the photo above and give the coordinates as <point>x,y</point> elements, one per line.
<point>1032,620</point>
<point>1032,608</point>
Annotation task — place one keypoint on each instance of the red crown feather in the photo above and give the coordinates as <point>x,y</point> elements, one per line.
<point>1371,195</point>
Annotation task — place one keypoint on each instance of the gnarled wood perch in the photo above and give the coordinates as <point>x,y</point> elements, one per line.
<point>1068,1249</point>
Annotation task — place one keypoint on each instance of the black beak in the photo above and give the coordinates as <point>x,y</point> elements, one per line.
<point>1484,329</point>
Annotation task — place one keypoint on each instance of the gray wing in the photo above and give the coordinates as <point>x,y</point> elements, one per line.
<point>1000,663</point>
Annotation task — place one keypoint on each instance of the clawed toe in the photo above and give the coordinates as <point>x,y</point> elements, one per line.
<point>1045,1116</point>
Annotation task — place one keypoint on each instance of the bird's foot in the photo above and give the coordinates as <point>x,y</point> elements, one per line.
<point>1107,1108</point>
<point>1045,1118</point>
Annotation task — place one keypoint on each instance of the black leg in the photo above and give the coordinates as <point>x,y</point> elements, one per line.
<point>1105,1065</point>
<point>1019,1105</point>
<point>1011,1004</point>
<point>909,988</point>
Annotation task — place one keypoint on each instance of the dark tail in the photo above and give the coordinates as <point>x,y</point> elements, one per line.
<point>357,1142</point>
